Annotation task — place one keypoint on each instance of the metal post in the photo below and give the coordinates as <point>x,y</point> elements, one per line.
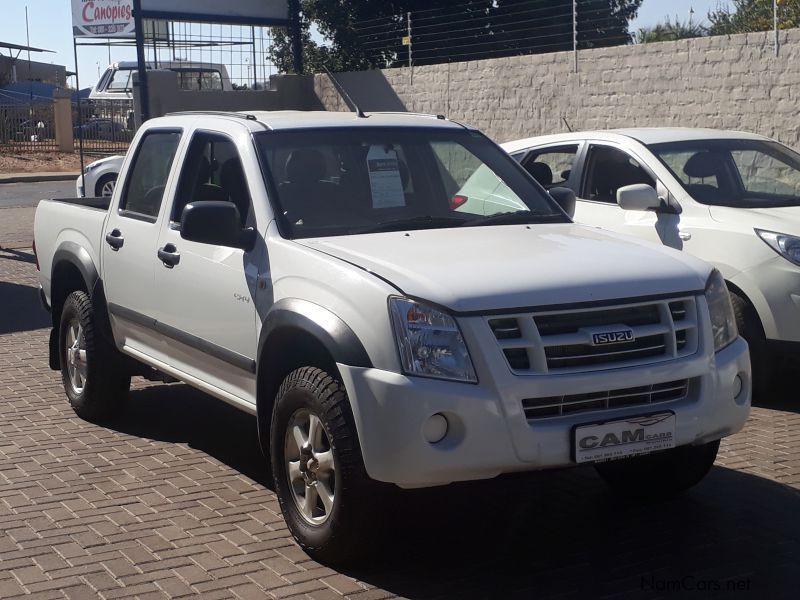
<point>410,63</point>
<point>81,132</point>
<point>575,32</point>
<point>255,70</point>
<point>295,33</point>
<point>144,93</point>
<point>775,25</point>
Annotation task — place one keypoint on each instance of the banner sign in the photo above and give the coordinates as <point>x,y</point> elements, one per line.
<point>245,12</point>
<point>102,18</point>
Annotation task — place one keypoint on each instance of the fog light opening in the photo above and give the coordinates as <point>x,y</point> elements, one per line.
<point>435,428</point>
<point>738,385</point>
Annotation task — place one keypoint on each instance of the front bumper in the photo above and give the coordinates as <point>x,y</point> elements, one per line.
<point>773,287</point>
<point>489,434</point>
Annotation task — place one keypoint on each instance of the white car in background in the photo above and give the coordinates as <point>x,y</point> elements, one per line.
<point>99,178</point>
<point>116,83</point>
<point>730,198</point>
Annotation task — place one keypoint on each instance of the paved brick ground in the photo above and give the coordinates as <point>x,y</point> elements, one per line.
<point>174,501</point>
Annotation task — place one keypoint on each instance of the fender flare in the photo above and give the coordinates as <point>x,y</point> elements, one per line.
<point>332,332</point>
<point>78,257</point>
<point>301,316</point>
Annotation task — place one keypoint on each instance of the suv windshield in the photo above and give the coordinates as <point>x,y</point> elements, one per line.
<point>364,180</point>
<point>737,173</point>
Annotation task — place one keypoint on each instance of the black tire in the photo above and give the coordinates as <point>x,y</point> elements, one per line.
<point>342,536</point>
<point>662,474</point>
<point>750,329</point>
<point>98,188</point>
<point>105,382</point>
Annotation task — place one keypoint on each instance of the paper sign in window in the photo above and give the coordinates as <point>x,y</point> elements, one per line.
<point>385,182</point>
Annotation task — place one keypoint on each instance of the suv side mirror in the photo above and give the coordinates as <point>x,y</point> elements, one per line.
<point>217,223</point>
<point>565,198</point>
<point>639,196</point>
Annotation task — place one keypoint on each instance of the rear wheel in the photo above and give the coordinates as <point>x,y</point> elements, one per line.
<point>92,369</point>
<point>661,474</point>
<point>750,329</point>
<point>327,499</point>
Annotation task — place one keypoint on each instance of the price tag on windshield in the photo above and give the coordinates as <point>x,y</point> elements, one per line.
<point>385,182</point>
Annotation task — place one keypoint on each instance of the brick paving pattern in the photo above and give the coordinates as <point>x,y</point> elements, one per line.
<point>173,500</point>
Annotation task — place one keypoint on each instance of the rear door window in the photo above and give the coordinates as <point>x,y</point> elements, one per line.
<point>607,170</point>
<point>551,167</point>
<point>147,178</point>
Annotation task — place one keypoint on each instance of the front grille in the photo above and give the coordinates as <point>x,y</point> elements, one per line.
<point>556,406</point>
<point>563,341</point>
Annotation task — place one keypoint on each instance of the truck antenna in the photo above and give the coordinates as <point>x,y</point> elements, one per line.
<point>567,124</point>
<point>350,102</point>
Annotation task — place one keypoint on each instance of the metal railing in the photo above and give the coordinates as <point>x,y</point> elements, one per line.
<point>27,127</point>
<point>105,126</point>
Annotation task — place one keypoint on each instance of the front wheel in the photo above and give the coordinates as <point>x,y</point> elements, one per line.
<point>324,492</point>
<point>92,370</point>
<point>105,186</point>
<point>661,474</point>
<point>762,363</point>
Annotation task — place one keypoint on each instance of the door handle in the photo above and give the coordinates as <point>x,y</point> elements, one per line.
<point>115,239</point>
<point>685,235</point>
<point>169,255</point>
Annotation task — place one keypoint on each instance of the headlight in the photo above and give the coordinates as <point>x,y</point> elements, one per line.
<point>787,246</point>
<point>429,342</point>
<point>90,167</point>
<point>723,321</point>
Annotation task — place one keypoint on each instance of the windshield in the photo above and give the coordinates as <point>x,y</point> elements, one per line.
<point>362,180</point>
<point>737,173</point>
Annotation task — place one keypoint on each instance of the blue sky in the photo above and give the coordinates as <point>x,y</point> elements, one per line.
<point>50,28</point>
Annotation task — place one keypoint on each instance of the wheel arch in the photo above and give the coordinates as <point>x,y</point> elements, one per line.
<point>73,270</point>
<point>297,333</point>
<point>735,289</point>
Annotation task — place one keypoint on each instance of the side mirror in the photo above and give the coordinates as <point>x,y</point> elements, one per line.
<point>639,196</point>
<point>217,223</point>
<point>565,198</point>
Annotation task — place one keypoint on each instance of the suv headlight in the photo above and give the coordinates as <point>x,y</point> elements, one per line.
<point>787,246</point>
<point>430,342</point>
<point>723,321</point>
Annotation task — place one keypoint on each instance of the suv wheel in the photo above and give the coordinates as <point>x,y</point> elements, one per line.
<point>750,329</point>
<point>661,474</point>
<point>94,378</point>
<point>105,186</point>
<point>323,489</point>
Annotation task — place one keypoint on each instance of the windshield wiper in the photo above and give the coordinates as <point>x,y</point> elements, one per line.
<point>510,218</point>
<point>426,222</point>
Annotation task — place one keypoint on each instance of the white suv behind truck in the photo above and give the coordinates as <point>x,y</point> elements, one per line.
<point>728,197</point>
<point>319,271</point>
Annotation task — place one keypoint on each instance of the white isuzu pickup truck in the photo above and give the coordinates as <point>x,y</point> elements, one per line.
<point>387,314</point>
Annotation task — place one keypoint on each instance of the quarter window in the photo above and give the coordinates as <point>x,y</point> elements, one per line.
<point>147,181</point>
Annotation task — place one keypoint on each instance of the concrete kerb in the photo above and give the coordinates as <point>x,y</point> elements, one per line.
<point>37,177</point>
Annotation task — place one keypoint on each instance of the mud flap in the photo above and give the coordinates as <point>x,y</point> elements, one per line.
<point>55,359</point>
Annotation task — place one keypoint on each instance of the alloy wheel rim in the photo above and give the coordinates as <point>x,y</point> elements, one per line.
<point>310,467</point>
<point>108,189</point>
<point>75,352</point>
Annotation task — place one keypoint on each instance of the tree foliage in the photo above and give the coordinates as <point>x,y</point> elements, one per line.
<point>754,15</point>
<point>669,31</point>
<point>364,34</point>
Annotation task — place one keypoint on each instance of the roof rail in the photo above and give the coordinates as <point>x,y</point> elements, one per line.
<point>411,114</point>
<point>217,113</point>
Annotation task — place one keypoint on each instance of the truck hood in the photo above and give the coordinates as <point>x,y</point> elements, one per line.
<point>782,219</point>
<point>513,266</point>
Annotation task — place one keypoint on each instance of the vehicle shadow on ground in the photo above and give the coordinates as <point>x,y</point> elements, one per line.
<point>548,534</point>
<point>20,309</point>
<point>782,394</point>
<point>18,255</point>
<point>177,413</point>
